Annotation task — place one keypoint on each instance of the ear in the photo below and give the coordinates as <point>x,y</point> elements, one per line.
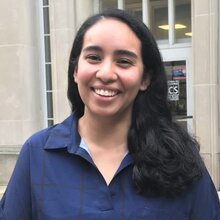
<point>145,83</point>
<point>75,76</point>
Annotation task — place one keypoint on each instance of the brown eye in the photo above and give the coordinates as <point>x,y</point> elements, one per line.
<point>124,62</point>
<point>93,58</point>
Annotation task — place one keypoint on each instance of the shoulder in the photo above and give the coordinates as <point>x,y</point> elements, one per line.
<point>205,184</point>
<point>51,137</point>
<point>203,194</point>
<point>206,187</point>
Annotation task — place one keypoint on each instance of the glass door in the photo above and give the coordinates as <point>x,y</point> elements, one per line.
<point>179,80</point>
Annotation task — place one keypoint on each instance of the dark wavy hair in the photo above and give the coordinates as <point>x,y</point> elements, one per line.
<point>166,157</point>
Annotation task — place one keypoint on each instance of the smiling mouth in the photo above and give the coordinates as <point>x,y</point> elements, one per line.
<point>105,92</point>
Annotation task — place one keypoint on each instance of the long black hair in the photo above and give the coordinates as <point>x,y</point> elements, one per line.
<point>166,157</point>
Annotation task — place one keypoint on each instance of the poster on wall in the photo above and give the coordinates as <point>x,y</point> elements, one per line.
<point>173,90</point>
<point>179,72</point>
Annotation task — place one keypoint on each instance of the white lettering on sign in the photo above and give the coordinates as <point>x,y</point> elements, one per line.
<point>173,90</point>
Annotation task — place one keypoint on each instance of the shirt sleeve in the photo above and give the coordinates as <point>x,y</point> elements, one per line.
<point>16,201</point>
<point>206,203</point>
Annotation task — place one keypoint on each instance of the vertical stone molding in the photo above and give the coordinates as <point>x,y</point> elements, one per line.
<point>205,25</point>
<point>62,29</point>
<point>65,18</point>
<point>21,109</point>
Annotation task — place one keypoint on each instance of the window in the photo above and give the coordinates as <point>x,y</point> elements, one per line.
<point>134,7</point>
<point>48,72</point>
<point>183,19</point>
<point>159,20</point>
<point>169,20</point>
<point>104,4</point>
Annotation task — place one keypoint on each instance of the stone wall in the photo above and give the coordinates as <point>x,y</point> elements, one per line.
<point>205,22</point>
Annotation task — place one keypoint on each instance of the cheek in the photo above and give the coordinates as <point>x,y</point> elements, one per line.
<point>132,78</point>
<point>133,82</point>
<point>83,74</point>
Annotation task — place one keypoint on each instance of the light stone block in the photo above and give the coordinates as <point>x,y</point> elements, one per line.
<point>202,117</point>
<point>201,7</point>
<point>11,90</point>
<point>17,132</point>
<point>8,160</point>
<point>62,41</point>
<point>17,22</point>
<point>61,14</point>
<point>83,9</point>
<point>11,132</point>
<point>21,83</point>
<point>7,163</point>
<point>214,7</point>
<point>201,50</point>
<point>208,161</point>
<point>61,106</point>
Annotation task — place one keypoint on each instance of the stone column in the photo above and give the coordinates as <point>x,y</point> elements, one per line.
<point>21,111</point>
<point>83,9</point>
<point>65,18</point>
<point>205,54</point>
<point>62,28</point>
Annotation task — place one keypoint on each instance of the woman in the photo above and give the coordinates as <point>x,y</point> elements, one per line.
<point>119,155</point>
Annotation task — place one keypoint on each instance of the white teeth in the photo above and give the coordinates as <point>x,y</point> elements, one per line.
<point>103,92</point>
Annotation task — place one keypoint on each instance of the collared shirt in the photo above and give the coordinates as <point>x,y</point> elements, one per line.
<point>56,179</point>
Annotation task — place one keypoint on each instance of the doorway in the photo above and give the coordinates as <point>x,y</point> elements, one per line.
<point>178,66</point>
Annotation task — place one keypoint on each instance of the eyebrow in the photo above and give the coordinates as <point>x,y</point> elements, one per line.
<point>126,53</point>
<point>89,48</point>
<point>117,52</point>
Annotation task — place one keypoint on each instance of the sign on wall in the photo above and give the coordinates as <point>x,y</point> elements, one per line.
<point>173,90</point>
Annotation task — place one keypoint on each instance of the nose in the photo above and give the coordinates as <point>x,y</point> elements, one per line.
<point>106,72</point>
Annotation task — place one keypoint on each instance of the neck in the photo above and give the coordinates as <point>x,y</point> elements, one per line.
<point>99,130</point>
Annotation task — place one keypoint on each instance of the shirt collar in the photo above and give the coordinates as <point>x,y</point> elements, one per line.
<point>64,135</point>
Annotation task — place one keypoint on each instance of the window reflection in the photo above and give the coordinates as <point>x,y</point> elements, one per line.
<point>158,18</point>
<point>183,17</point>
<point>134,6</point>
<point>105,4</point>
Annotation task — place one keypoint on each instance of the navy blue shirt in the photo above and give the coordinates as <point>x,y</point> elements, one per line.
<point>56,179</point>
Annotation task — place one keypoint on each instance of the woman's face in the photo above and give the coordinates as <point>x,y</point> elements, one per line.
<point>110,69</point>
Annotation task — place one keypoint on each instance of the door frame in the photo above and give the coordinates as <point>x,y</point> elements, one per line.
<point>183,54</point>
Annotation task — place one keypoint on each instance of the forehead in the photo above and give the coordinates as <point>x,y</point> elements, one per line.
<point>112,32</point>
